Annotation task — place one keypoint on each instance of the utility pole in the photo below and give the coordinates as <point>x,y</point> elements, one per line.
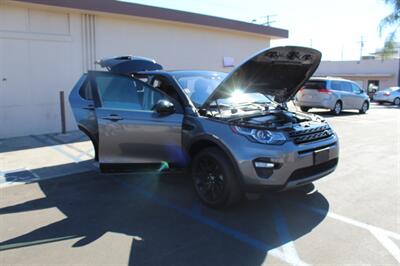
<point>361,42</point>
<point>342,51</point>
<point>267,23</point>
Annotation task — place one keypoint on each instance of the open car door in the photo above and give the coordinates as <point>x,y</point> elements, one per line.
<point>131,134</point>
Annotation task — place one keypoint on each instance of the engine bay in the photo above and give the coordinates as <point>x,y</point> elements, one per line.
<point>278,120</point>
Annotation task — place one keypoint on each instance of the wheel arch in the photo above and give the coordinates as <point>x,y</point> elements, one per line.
<point>205,141</point>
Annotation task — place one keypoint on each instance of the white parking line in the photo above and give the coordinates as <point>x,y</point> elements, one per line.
<point>382,235</point>
<point>288,248</point>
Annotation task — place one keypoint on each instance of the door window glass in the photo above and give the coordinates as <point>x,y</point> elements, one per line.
<point>346,86</point>
<point>355,88</point>
<point>336,85</point>
<point>124,92</point>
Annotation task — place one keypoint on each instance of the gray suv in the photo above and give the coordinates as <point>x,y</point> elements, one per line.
<point>335,94</point>
<point>231,130</point>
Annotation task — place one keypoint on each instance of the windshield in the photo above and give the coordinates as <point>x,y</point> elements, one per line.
<point>198,85</point>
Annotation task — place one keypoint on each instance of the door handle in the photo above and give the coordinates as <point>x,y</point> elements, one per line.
<point>89,107</point>
<point>113,118</point>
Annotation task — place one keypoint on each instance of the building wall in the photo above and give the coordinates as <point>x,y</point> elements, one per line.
<point>386,71</point>
<point>44,50</point>
<point>174,45</point>
<point>40,55</point>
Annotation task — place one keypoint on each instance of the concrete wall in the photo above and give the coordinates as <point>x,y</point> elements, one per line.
<point>40,54</point>
<point>386,71</point>
<point>174,45</point>
<point>44,50</point>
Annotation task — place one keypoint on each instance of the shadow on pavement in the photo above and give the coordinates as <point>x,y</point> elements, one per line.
<point>387,106</point>
<point>167,223</point>
<point>39,141</point>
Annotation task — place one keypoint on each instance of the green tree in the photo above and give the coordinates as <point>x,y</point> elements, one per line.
<point>392,22</point>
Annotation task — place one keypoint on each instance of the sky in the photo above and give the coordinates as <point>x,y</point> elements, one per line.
<point>333,27</point>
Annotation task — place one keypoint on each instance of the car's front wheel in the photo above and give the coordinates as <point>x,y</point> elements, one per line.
<point>396,101</point>
<point>364,108</point>
<point>214,178</point>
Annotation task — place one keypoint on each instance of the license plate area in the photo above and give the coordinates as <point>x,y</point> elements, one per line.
<point>321,156</point>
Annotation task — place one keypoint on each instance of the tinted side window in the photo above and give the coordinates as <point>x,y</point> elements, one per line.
<point>86,91</point>
<point>336,85</point>
<point>124,92</point>
<point>346,86</point>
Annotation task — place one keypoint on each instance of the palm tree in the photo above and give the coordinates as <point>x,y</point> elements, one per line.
<point>391,21</point>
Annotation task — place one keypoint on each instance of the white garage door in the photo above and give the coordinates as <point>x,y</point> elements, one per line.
<point>36,62</point>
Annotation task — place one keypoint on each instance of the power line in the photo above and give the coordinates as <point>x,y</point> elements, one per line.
<point>268,22</point>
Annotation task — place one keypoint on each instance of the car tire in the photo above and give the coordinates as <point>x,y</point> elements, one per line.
<point>364,108</point>
<point>396,101</point>
<point>380,103</point>
<point>304,109</point>
<point>337,109</point>
<point>214,179</point>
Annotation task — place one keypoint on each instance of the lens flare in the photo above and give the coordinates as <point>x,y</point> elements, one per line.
<point>164,165</point>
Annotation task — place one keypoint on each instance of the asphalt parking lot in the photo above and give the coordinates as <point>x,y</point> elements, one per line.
<point>56,208</point>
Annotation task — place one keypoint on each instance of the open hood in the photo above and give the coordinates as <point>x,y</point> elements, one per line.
<point>278,72</point>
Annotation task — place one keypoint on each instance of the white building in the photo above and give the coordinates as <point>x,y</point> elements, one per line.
<point>46,45</point>
<point>380,73</point>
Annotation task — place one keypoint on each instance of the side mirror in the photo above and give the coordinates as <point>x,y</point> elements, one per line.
<point>164,107</point>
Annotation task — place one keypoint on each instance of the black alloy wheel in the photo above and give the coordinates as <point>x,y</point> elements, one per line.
<point>214,178</point>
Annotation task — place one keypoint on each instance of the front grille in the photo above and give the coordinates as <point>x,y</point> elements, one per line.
<point>311,134</point>
<point>313,170</point>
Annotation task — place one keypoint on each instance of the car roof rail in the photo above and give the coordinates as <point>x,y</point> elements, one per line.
<point>129,64</point>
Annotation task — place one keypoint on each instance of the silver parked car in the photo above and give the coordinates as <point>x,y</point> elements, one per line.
<point>388,95</point>
<point>335,94</point>
<point>232,130</point>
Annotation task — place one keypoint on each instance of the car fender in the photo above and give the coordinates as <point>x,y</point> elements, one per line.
<point>217,142</point>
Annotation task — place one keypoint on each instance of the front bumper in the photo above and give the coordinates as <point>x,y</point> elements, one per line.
<point>296,164</point>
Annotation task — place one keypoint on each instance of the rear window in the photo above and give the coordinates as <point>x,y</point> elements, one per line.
<point>315,84</point>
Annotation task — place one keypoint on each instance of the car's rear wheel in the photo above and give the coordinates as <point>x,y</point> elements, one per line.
<point>364,108</point>
<point>396,101</point>
<point>214,178</point>
<point>337,109</point>
<point>304,108</point>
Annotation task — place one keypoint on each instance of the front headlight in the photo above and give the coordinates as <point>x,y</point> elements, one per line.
<point>260,135</point>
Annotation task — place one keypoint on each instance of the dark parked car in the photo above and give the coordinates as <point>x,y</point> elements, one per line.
<point>232,130</point>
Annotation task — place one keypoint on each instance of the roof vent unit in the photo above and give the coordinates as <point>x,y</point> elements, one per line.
<point>129,64</point>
